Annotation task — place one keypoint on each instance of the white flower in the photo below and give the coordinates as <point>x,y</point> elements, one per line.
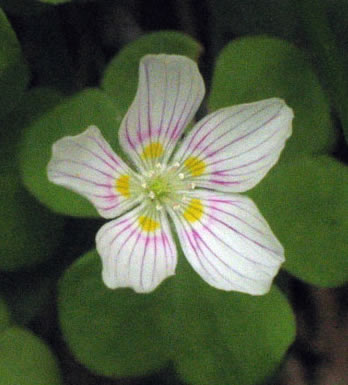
<point>222,233</point>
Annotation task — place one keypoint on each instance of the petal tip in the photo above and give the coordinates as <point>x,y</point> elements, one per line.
<point>112,283</point>
<point>166,58</point>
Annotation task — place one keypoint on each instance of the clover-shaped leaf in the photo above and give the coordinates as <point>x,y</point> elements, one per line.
<point>31,232</point>
<point>207,329</point>
<point>26,360</point>
<point>254,68</point>
<point>306,203</point>
<point>216,330</point>
<point>121,329</point>
<point>70,117</point>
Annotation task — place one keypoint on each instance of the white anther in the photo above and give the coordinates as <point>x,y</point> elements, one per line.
<point>184,199</point>
<point>193,186</point>
<point>176,207</point>
<point>176,165</point>
<point>158,165</point>
<point>159,207</point>
<point>152,195</point>
<point>181,175</point>
<point>144,185</point>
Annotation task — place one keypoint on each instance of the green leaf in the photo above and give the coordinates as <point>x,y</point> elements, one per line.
<point>119,327</point>
<point>29,232</point>
<point>255,68</point>
<point>306,204</point>
<point>212,336</point>
<point>14,75</point>
<point>26,360</point>
<point>73,116</point>
<point>4,316</point>
<point>228,337</point>
<point>121,75</point>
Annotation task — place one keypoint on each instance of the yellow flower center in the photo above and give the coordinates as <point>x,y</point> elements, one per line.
<point>148,224</point>
<point>122,185</point>
<point>153,151</point>
<point>193,211</point>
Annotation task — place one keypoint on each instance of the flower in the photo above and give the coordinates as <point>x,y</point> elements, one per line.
<point>222,233</point>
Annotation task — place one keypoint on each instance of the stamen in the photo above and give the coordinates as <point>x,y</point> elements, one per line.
<point>165,183</point>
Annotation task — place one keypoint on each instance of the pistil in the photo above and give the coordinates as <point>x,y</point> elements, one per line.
<point>165,186</point>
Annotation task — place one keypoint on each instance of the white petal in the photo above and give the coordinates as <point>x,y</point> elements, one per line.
<point>170,90</point>
<point>233,148</point>
<point>228,242</point>
<point>86,164</point>
<point>137,250</point>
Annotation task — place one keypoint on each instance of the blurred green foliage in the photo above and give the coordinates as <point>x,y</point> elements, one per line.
<point>26,360</point>
<point>4,316</point>
<point>22,7</point>
<point>27,294</point>
<point>24,240</point>
<point>31,233</point>
<point>14,74</point>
